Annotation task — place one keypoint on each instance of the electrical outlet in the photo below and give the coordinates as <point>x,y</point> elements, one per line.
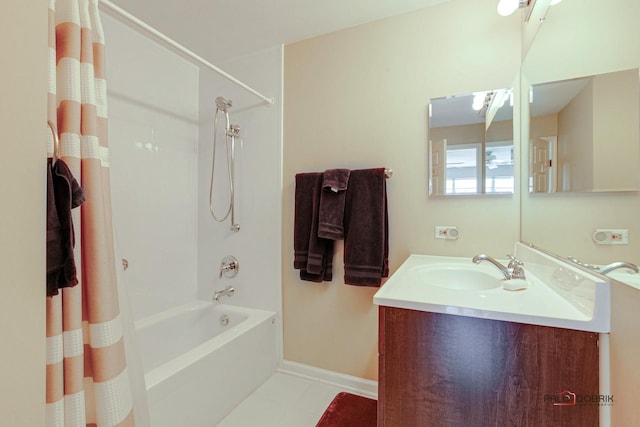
<point>446,232</point>
<point>611,237</point>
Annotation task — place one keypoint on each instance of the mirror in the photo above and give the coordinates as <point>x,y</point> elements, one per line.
<point>579,39</point>
<point>584,134</point>
<point>471,144</point>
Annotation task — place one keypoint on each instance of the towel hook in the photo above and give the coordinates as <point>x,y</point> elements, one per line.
<point>56,141</point>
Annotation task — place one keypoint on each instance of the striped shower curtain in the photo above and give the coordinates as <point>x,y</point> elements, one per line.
<point>87,377</point>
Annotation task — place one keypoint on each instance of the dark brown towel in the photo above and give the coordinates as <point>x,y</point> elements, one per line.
<point>63,194</point>
<point>313,255</point>
<point>331,215</point>
<point>366,246</point>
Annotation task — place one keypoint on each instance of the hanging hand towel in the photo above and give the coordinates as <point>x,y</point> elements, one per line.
<point>366,247</point>
<point>63,194</point>
<point>313,255</point>
<point>332,197</point>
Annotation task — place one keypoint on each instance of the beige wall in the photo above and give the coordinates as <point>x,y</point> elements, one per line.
<point>23,85</point>
<point>357,99</point>
<point>456,135</point>
<point>616,106</point>
<point>593,134</point>
<point>468,134</point>
<point>543,126</point>
<point>575,143</point>
<point>624,344</point>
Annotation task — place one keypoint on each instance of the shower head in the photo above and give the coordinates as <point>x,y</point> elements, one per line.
<point>222,104</point>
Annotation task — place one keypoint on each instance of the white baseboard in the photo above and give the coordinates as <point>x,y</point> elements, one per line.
<point>355,385</point>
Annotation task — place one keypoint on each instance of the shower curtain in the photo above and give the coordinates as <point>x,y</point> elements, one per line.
<point>88,379</point>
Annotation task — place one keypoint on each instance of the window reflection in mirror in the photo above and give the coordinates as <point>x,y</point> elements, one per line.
<point>584,134</point>
<point>471,144</point>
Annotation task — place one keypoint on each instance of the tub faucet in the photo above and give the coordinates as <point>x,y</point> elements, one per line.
<point>616,265</point>
<point>228,291</point>
<point>514,271</point>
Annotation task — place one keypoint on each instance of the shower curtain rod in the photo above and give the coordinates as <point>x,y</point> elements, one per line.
<point>123,13</point>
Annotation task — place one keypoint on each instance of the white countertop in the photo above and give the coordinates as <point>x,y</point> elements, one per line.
<point>626,277</point>
<point>539,304</point>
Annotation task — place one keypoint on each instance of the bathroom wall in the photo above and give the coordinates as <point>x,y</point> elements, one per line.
<point>624,350</point>
<point>23,120</point>
<point>616,108</point>
<point>575,143</point>
<point>358,99</point>
<point>153,136</point>
<point>257,185</point>
<point>610,106</point>
<point>474,133</point>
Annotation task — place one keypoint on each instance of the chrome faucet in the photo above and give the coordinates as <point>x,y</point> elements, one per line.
<point>513,271</point>
<point>616,265</point>
<point>482,257</point>
<point>228,291</point>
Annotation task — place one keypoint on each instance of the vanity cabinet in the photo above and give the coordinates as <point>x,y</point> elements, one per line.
<point>446,370</point>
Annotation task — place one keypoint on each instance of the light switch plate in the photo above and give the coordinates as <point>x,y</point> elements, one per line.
<point>447,232</point>
<point>607,236</point>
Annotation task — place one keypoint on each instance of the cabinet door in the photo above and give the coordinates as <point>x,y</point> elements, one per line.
<point>443,370</point>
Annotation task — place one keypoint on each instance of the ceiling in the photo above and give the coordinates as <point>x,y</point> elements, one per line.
<point>551,98</point>
<point>546,98</point>
<point>219,30</point>
<point>456,110</point>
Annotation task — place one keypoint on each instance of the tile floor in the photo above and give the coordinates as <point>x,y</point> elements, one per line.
<point>283,401</point>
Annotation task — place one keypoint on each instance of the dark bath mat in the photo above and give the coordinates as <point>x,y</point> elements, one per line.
<point>350,410</point>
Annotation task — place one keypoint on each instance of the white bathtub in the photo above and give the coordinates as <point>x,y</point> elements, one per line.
<point>197,370</point>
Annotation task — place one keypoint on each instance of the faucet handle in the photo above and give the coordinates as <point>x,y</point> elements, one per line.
<point>513,261</point>
<point>517,271</point>
<point>229,266</point>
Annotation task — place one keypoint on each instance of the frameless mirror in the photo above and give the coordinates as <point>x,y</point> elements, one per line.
<point>471,144</point>
<point>578,39</point>
<point>584,134</point>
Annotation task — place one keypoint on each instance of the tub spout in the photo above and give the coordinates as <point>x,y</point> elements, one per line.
<point>228,291</point>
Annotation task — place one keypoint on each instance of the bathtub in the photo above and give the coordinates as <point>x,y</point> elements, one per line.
<point>197,368</point>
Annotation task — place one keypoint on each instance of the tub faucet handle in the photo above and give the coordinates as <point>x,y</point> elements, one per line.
<point>229,266</point>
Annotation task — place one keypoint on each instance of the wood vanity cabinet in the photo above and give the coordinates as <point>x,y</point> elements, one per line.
<point>447,371</point>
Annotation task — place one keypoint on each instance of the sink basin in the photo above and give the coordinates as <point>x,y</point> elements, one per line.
<point>456,278</point>
<point>457,286</point>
